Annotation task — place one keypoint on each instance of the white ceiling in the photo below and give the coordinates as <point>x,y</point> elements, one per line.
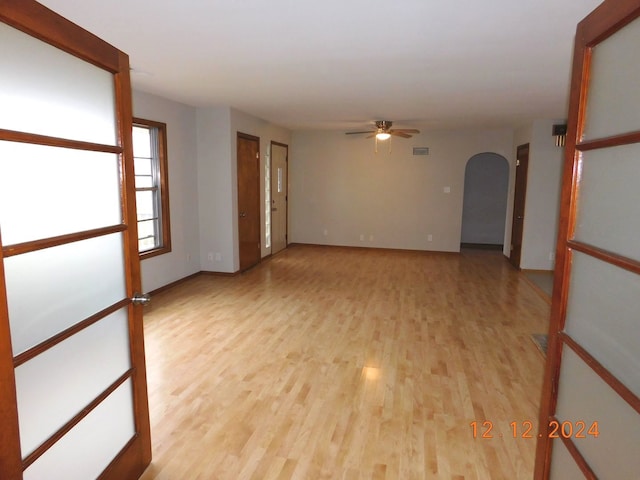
<point>339,64</point>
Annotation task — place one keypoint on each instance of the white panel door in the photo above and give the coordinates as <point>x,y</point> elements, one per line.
<point>279,182</point>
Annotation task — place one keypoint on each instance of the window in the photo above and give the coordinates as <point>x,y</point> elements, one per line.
<point>152,187</point>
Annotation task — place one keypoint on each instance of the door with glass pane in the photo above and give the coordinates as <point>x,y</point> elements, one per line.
<point>279,154</point>
<point>590,412</point>
<point>73,390</point>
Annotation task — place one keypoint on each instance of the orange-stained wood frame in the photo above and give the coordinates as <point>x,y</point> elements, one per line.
<point>165,221</point>
<point>44,24</point>
<point>607,19</point>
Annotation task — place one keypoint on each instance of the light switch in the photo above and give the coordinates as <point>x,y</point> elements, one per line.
<point>447,189</point>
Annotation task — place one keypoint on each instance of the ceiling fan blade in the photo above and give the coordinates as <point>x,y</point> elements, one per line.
<point>406,130</point>
<point>357,133</point>
<point>372,135</point>
<point>398,133</point>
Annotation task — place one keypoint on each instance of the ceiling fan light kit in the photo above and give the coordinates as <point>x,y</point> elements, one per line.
<point>384,132</point>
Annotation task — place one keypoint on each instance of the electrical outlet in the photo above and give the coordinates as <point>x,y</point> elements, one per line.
<point>362,237</point>
<point>210,257</point>
<point>218,257</point>
<point>429,238</point>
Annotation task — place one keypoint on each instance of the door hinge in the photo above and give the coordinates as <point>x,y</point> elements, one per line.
<point>258,155</point>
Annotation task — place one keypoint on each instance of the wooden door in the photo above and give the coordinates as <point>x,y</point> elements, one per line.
<point>279,196</point>
<point>72,372</point>
<point>517,225</point>
<point>248,200</point>
<point>590,409</point>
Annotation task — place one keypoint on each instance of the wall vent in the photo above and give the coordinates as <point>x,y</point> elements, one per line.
<point>421,150</point>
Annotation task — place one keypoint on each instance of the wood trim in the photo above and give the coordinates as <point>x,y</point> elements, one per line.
<point>606,19</point>
<point>28,247</point>
<point>379,249</point>
<point>69,332</point>
<point>614,141</point>
<point>11,456</point>
<point>220,274</point>
<point>609,378</point>
<point>132,263</point>
<point>169,286</point>
<point>163,154</point>
<point>35,139</point>
<point>126,464</point>
<point>566,227</point>
<point>38,452</point>
<point>577,456</point>
<point>38,21</point>
<point>606,256</point>
<point>246,136</point>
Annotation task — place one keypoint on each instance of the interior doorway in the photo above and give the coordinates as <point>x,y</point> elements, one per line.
<point>248,200</point>
<point>279,196</point>
<point>484,211</point>
<point>517,228</point>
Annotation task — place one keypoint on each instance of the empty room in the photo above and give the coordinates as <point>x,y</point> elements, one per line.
<point>339,240</point>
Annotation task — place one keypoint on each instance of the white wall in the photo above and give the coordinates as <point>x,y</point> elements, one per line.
<point>542,202</point>
<point>183,260</point>
<point>218,185</point>
<point>215,189</point>
<point>341,189</point>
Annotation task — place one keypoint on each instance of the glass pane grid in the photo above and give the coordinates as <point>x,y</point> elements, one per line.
<point>148,182</point>
<point>608,197</point>
<point>73,99</point>
<point>97,356</point>
<point>613,105</point>
<point>60,190</point>
<point>51,290</point>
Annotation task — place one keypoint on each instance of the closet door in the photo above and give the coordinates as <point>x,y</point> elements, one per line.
<point>73,390</point>
<point>590,412</point>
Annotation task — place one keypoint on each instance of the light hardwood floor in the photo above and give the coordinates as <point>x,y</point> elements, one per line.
<point>346,364</point>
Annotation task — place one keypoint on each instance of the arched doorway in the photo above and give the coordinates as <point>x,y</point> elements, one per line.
<point>484,211</point>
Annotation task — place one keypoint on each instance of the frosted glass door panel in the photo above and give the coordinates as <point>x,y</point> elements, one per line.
<point>613,102</point>
<point>49,191</point>
<point>46,91</point>
<point>89,447</point>
<point>563,466</point>
<point>608,200</point>
<point>56,385</point>
<point>52,289</point>
<point>584,397</point>
<point>596,290</point>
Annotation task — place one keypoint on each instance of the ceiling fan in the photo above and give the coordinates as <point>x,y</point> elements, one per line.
<point>384,131</point>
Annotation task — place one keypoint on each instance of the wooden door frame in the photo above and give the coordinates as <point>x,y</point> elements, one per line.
<point>42,23</point>
<point>286,213</point>
<point>253,138</point>
<point>521,148</point>
<point>604,21</point>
